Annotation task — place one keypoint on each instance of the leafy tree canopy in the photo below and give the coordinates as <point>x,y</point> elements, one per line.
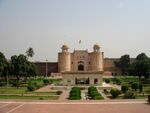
<point>123,63</point>
<point>30,52</point>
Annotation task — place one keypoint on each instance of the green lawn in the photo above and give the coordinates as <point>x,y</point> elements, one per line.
<point>56,81</point>
<point>30,97</point>
<point>126,80</point>
<point>146,89</point>
<point>22,93</point>
<point>141,97</point>
<point>23,90</point>
<point>12,90</point>
<point>137,97</point>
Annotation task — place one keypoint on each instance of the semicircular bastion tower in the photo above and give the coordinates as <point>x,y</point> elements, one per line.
<point>64,59</point>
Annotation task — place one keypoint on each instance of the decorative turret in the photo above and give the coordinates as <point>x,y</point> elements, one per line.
<point>64,48</point>
<point>97,59</point>
<point>96,48</point>
<point>64,59</point>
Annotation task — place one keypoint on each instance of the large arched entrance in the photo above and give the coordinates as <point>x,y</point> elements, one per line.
<point>80,67</point>
<point>80,81</point>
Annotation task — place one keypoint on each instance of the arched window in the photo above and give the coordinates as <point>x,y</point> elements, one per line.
<point>80,67</point>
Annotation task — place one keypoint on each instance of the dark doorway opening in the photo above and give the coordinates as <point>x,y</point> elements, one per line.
<point>82,81</point>
<point>95,81</point>
<point>80,67</point>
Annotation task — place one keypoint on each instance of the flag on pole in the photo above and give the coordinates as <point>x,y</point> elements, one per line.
<point>79,41</point>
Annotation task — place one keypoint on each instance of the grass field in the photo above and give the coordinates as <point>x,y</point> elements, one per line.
<point>12,90</point>
<point>30,97</point>
<point>23,90</point>
<point>137,97</point>
<point>128,79</point>
<point>22,93</point>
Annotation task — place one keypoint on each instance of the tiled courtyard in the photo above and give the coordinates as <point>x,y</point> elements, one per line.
<point>75,107</point>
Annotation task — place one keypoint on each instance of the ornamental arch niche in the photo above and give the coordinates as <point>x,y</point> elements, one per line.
<point>80,66</point>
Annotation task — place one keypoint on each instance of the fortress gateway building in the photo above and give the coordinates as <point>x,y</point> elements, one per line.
<point>81,67</point>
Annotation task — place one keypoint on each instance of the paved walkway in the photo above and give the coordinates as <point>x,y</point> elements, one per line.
<point>64,95</point>
<point>103,95</point>
<point>76,107</point>
<point>45,89</point>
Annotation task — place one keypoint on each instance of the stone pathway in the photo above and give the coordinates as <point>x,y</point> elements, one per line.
<point>46,89</point>
<point>83,94</point>
<point>103,95</point>
<point>64,95</point>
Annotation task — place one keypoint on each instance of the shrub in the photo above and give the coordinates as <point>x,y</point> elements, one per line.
<point>94,94</point>
<point>130,82</point>
<point>75,94</point>
<point>114,92</point>
<point>97,97</point>
<point>59,92</point>
<point>41,98</point>
<point>107,80</point>
<point>129,95</point>
<point>15,83</point>
<point>118,81</point>
<point>124,88</point>
<point>3,83</point>
<point>135,86</point>
<point>105,91</point>
<point>46,81</point>
<point>31,87</point>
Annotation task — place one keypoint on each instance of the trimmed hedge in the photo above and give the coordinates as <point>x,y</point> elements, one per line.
<point>107,80</point>
<point>34,84</point>
<point>94,94</point>
<point>129,95</point>
<point>75,94</point>
<point>47,81</point>
<point>114,92</point>
<point>124,88</point>
<point>116,80</point>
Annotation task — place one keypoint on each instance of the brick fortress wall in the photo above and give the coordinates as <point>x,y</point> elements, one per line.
<point>52,67</point>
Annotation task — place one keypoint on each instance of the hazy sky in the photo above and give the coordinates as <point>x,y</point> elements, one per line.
<point>119,26</point>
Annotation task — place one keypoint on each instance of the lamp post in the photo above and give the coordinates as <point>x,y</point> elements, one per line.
<point>46,68</point>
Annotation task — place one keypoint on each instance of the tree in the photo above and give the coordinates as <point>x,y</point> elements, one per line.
<point>3,64</point>
<point>123,64</point>
<point>21,67</point>
<point>30,52</point>
<point>141,65</point>
<point>18,66</point>
<point>31,69</point>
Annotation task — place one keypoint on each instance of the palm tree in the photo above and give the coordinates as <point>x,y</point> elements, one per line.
<point>30,52</point>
